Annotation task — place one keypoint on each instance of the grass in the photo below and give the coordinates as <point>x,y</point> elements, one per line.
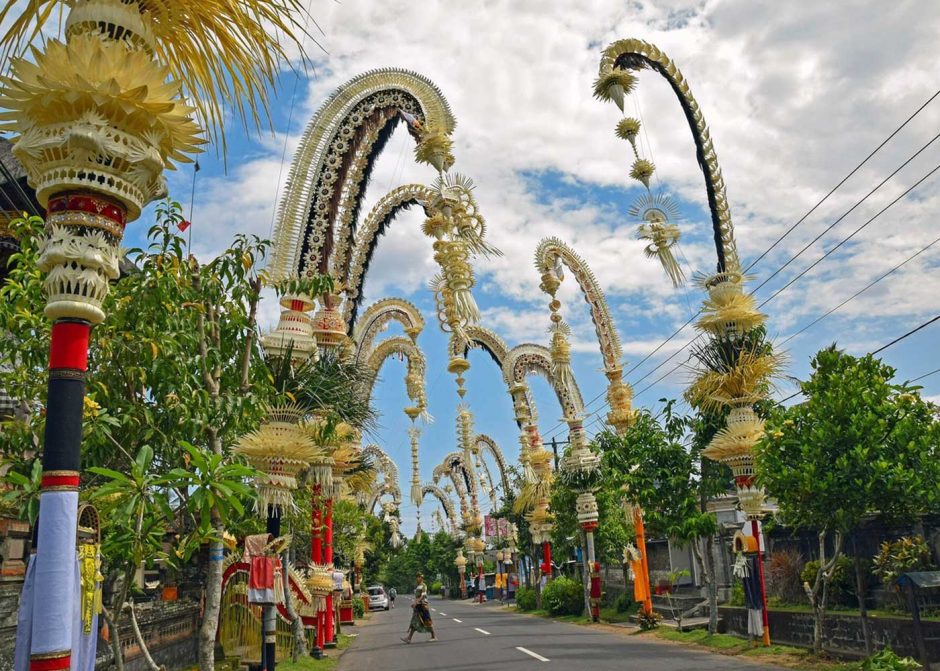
<point>611,614</point>
<point>782,655</point>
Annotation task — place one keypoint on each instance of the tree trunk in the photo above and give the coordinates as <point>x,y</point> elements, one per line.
<point>297,625</point>
<point>210,617</point>
<point>860,593</point>
<point>152,665</point>
<point>117,655</point>
<point>586,574</point>
<point>711,583</point>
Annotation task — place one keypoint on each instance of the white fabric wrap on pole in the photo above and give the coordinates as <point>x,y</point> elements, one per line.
<point>55,573</point>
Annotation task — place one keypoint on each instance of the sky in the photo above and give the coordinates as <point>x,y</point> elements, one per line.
<point>796,95</point>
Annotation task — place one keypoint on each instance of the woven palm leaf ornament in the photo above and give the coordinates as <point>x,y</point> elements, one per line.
<point>658,214</point>
<point>736,364</point>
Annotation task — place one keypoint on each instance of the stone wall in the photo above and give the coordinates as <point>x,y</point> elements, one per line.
<point>170,629</point>
<point>842,634</point>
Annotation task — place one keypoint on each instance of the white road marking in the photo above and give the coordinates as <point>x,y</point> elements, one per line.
<point>458,621</point>
<point>482,631</point>
<point>443,614</point>
<point>532,654</point>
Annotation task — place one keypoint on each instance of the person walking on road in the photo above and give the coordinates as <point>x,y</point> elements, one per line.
<point>392,593</point>
<point>421,613</point>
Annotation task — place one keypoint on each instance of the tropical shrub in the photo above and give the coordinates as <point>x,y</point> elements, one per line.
<point>649,620</point>
<point>842,590</point>
<point>625,603</point>
<point>737,595</point>
<point>436,587</point>
<point>563,596</point>
<point>895,558</point>
<point>783,576</point>
<point>526,598</point>
<point>359,607</point>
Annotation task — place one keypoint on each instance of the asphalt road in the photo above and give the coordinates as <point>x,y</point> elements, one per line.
<point>484,637</point>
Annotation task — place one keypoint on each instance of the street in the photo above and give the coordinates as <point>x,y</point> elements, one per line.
<point>475,637</point>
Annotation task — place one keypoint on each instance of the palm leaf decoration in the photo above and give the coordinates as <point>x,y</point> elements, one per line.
<point>224,53</point>
<point>338,386</point>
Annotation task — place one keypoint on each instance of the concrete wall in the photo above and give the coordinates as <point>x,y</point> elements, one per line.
<point>842,634</point>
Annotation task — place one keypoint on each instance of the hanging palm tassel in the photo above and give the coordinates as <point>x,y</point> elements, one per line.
<point>627,130</point>
<point>620,398</point>
<point>613,86</point>
<point>416,495</point>
<point>434,148</point>
<point>662,237</point>
<point>642,170</point>
<point>320,584</point>
<point>561,353</point>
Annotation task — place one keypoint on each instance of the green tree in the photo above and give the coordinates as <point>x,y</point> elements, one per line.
<point>177,359</point>
<point>658,465</point>
<point>859,443</point>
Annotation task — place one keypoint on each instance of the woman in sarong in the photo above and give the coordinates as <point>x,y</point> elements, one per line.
<point>420,613</point>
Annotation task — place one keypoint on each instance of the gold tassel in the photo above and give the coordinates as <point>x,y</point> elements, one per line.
<point>642,170</point>
<point>561,353</point>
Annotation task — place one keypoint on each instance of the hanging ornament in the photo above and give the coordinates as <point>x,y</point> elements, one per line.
<point>627,130</point>
<point>416,495</point>
<point>434,148</point>
<point>642,170</point>
<point>613,86</point>
<point>561,353</point>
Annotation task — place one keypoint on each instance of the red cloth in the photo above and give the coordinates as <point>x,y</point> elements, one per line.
<point>261,580</point>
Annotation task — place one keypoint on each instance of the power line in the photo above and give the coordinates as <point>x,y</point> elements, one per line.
<point>846,213</point>
<point>849,237</point>
<point>909,333</point>
<point>793,258</point>
<point>883,348</point>
<point>860,292</point>
<point>844,180</point>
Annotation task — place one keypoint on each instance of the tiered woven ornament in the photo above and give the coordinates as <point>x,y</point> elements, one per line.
<point>320,584</point>
<point>620,399</point>
<point>737,380</point>
<point>329,327</point>
<point>279,450</point>
<point>583,464</point>
<point>347,457</point>
<point>434,148</point>
<point>294,332</point>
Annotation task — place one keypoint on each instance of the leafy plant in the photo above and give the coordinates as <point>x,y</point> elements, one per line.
<point>888,660</point>
<point>895,558</point>
<point>563,596</point>
<point>649,620</point>
<point>359,607</point>
<point>784,579</point>
<point>841,580</point>
<point>526,598</point>
<point>23,492</point>
<point>624,603</point>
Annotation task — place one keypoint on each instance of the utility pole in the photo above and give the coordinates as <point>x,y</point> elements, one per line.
<point>555,444</point>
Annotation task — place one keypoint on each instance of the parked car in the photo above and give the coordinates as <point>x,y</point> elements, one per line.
<point>378,599</point>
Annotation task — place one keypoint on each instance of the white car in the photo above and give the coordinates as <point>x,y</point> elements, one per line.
<point>378,599</point>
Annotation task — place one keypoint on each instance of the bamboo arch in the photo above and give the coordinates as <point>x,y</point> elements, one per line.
<point>483,443</point>
<point>414,378</point>
<point>377,317</point>
<point>549,255</point>
<point>430,489</point>
<point>634,54</point>
<point>317,215</point>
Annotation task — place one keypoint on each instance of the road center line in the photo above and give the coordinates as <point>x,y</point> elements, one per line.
<point>457,621</point>
<point>482,631</point>
<point>532,654</point>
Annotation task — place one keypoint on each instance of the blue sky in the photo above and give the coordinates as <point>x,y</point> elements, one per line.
<point>795,98</point>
